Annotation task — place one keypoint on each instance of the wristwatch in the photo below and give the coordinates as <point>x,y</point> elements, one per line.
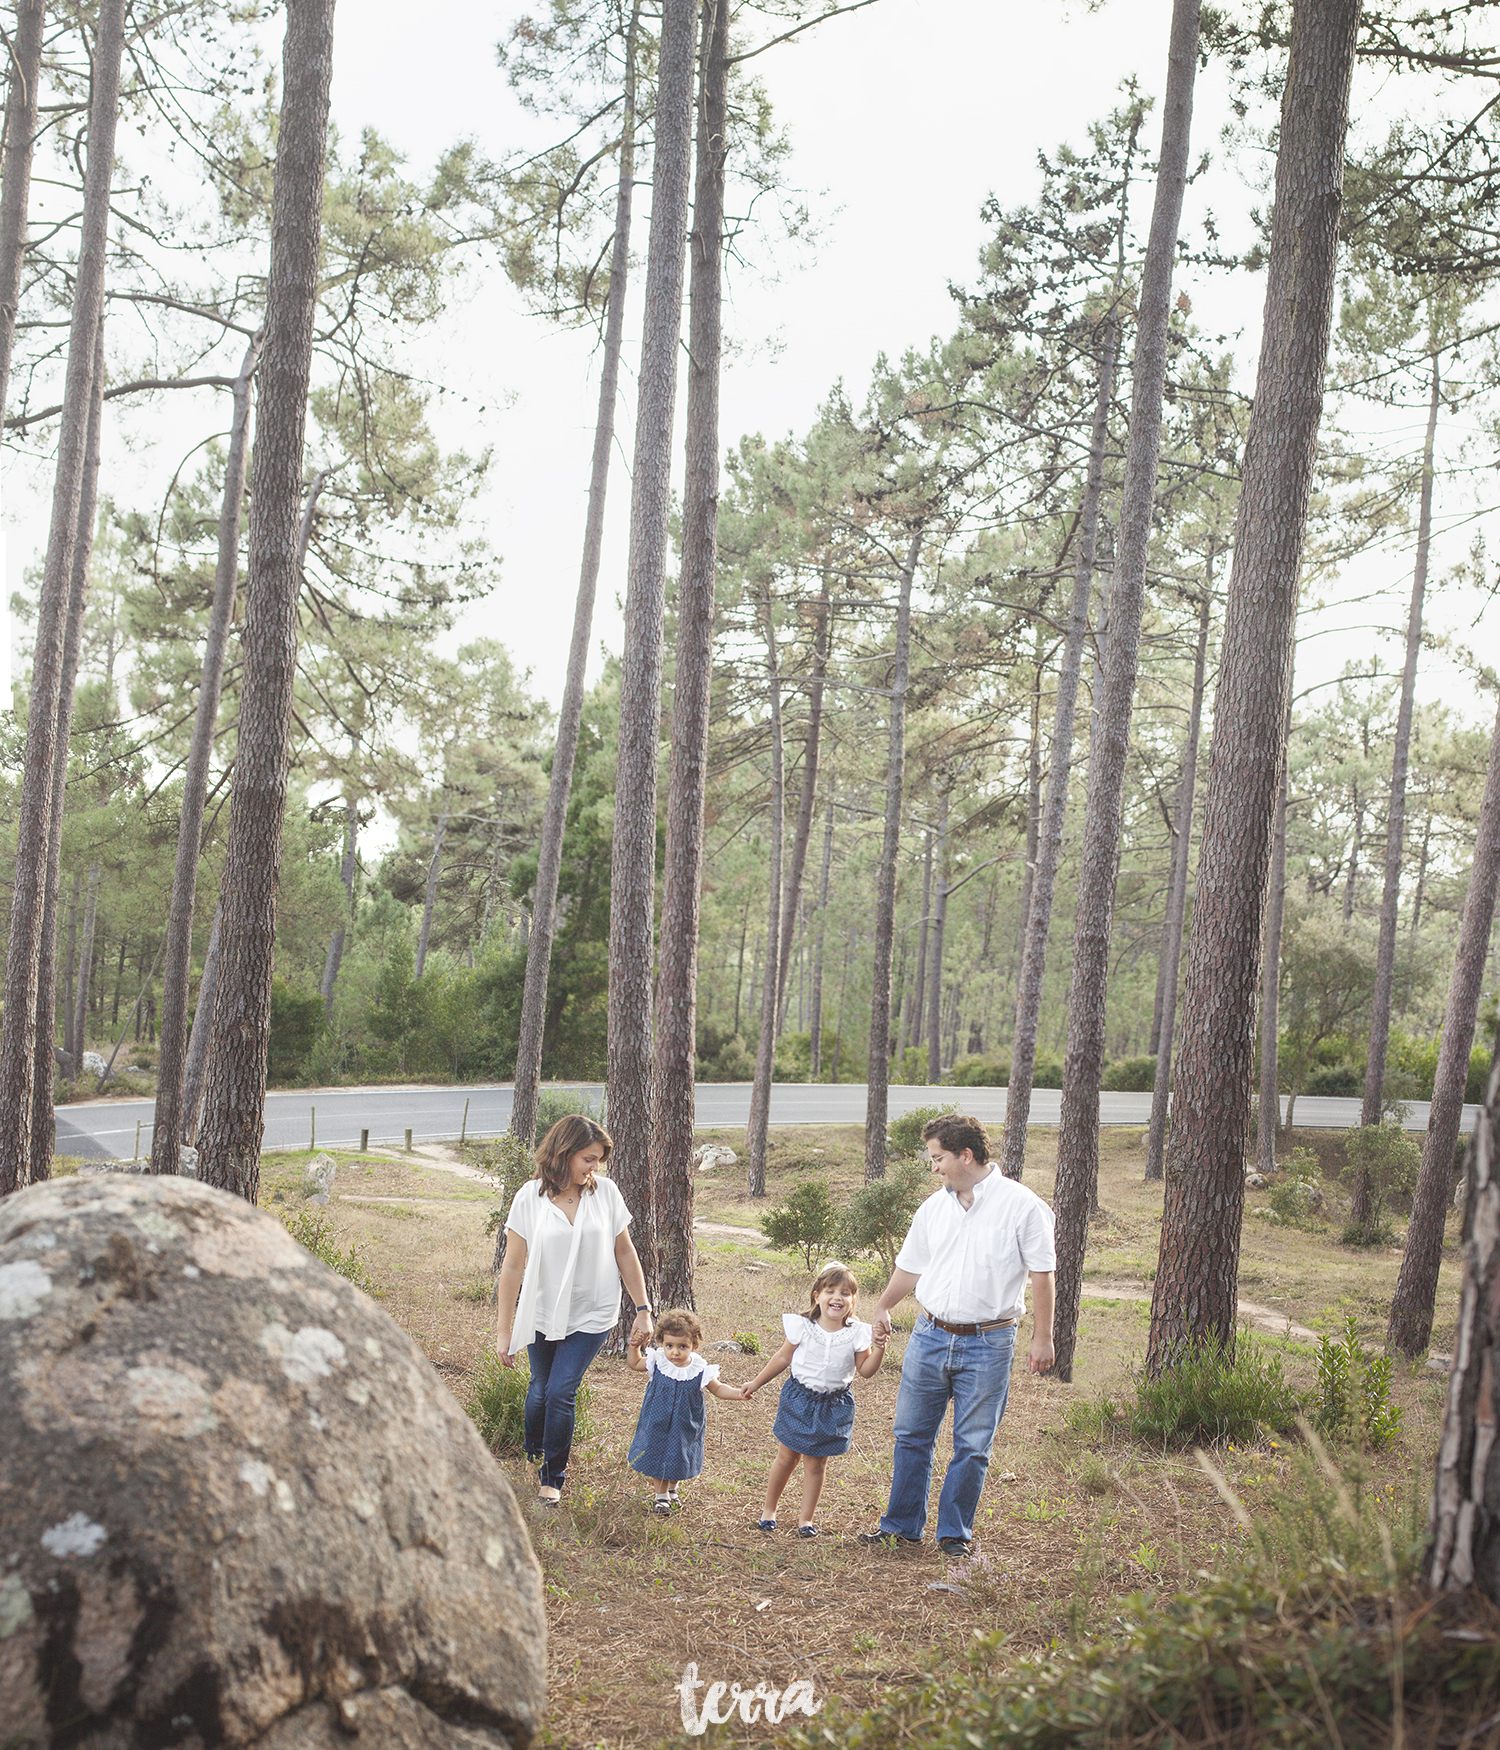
<point>644,1309</point>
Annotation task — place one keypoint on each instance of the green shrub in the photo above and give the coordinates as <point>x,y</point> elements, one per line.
<point>879,1213</point>
<point>296,1021</point>
<point>1297,1191</point>
<point>722,1057</point>
<point>748,1341</point>
<point>1131,1075</point>
<point>1208,1395</point>
<point>1392,1159</point>
<point>981,1072</point>
<point>314,1230</point>
<point>804,1221</point>
<point>555,1103</point>
<point>1354,1393</point>
<point>1340,1081</point>
<point>497,1404</point>
<point>903,1135</point>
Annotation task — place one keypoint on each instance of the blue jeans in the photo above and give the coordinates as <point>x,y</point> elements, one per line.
<point>975,1373</point>
<point>557,1367</point>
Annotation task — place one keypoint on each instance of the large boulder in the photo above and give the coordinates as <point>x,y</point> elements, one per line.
<point>237,1505</point>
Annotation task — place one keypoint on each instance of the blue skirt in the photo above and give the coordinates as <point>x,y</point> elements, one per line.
<point>668,1441</point>
<point>818,1424</point>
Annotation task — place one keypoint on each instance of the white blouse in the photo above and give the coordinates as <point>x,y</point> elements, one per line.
<point>697,1368</point>
<point>823,1361</point>
<point>571,1282</point>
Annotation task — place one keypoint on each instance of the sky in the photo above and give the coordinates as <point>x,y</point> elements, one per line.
<point>903,117</point>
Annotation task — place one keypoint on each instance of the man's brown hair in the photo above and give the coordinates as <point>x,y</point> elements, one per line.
<point>957,1131</point>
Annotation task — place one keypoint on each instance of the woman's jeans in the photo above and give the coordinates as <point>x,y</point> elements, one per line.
<point>975,1373</point>
<point>556,1370</point>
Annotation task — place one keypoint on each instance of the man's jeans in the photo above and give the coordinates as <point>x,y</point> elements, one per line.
<point>975,1373</point>
<point>556,1369</point>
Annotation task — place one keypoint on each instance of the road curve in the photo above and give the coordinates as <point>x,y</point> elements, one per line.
<point>334,1117</point>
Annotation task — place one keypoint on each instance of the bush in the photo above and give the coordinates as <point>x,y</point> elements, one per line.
<point>1297,1193</point>
<point>296,1021</point>
<point>1392,1160</point>
<point>879,1213</point>
<point>805,1221</point>
<point>748,1341</point>
<point>1341,1081</point>
<point>555,1103</point>
<point>723,1058</point>
<point>1131,1075</point>
<point>994,1072</point>
<point>1209,1395</point>
<point>903,1135</point>
<point>1354,1393</point>
<point>497,1404</point>
<point>314,1230</point>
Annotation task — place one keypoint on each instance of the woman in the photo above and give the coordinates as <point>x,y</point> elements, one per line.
<point>567,1250</point>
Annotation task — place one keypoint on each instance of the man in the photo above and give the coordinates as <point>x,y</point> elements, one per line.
<point>967,1255</point>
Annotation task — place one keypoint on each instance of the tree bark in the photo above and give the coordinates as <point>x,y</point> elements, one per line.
<point>912,1031</point>
<point>765,1053</point>
<point>196,1064</point>
<point>633,869</point>
<point>347,870</point>
<point>1075,1191</point>
<point>1355,842</point>
<point>1171,956</point>
<point>1390,897</point>
<point>878,1075</point>
<point>939,921</point>
<point>675,1045</point>
<point>43,1118</point>
<point>166,1138</point>
<point>70,1048</point>
<point>15,188</point>
<point>1034,769</point>
<point>1047,854</point>
<point>807,801</point>
<point>18,1035</point>
<point>429,899</point>
<point>815,1016</point>
<point>1194,1299</point>
<point>1416,1287</point>
<point>85,969</point>
<point>229,1149</point>
<point>1270,985</point>
<point>1465,1548</point>
<point>570,715</point>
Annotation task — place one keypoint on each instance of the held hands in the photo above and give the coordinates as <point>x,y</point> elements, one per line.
<point>640,1331</point>
<point>880,1326</point>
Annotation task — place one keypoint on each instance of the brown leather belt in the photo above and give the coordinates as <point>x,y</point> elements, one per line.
<point>968,1330</point>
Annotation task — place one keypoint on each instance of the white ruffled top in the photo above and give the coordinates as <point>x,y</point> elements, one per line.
<point>697,1368</point>
<point>823,1361</point>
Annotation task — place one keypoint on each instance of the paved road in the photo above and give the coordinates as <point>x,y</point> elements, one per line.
<point>106,1129</point>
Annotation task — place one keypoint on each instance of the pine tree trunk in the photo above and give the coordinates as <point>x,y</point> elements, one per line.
<point>234,1100</point>
<point>1034,775</point>
<point>347,870</point>
<point>1045,856</point>
<point>429,899</point>
<point>878,1075</point>
<point>15,188</point>
<point>18,1035</point>
<point>1355,842</point>
<point>1416,904</point>
<point>1171,957</point>
<point>807,801</point>
<point>675,1046</point>
<point>70,1048</point>
<point>815,1014</point>
<point>1390,898</point>
<point>570,716</point>
<point>1076,1185</point>
<point>1270,987</point>
<point>939,922</point>
<point>912,1031</point>
<point>1416,1287</point>
<point>633,867</point>
<point>43,1118</point>
<point>196,1065</point>
<point>85,969</point>
<point>166,1139</point>
<point>1465,1548</point>
<point>765,1054</point>
<point>1195,1295</point>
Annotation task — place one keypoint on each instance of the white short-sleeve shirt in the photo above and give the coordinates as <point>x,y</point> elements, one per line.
<point>571,1282</point>
<point>971,1264</point>
<point>823,1361</point>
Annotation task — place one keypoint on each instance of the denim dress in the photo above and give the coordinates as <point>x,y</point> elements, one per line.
<point>668,1441</point>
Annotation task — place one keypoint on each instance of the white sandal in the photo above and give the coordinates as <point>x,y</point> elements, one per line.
<point>547,1496</point>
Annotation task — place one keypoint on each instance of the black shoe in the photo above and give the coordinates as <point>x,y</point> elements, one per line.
<point>956,1546</point>
<point>807,1531</point>
<point>886,1539</point>
<point>768,1524</point>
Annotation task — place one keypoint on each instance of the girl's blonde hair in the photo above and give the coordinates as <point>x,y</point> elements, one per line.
<point>554,1153</point>
<point>833,1275</point>
<point>677,1321</point>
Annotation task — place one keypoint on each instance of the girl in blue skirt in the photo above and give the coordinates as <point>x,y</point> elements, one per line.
<point>668,1444</point>
<point>825,1347</point>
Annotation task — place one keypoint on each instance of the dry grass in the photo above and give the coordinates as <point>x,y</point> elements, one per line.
<point>1067,1525</point>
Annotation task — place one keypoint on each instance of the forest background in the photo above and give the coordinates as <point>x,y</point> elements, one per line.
<point>876,235</point>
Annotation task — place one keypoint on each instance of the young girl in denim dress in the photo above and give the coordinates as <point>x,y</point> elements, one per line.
<point>668,1444</point>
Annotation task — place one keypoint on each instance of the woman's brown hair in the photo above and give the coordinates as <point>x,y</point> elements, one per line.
<point>554,1153</point>
<point>834,1275</point>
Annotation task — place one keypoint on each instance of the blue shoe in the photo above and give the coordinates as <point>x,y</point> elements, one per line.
<point>807,1531</point>
<point>768,1524</point>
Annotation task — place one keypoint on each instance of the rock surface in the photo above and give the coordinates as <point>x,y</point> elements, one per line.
<point>93,1064</point>
<point>237,1505</point>
<point>318,1178</point>
<point>709,1155</point>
